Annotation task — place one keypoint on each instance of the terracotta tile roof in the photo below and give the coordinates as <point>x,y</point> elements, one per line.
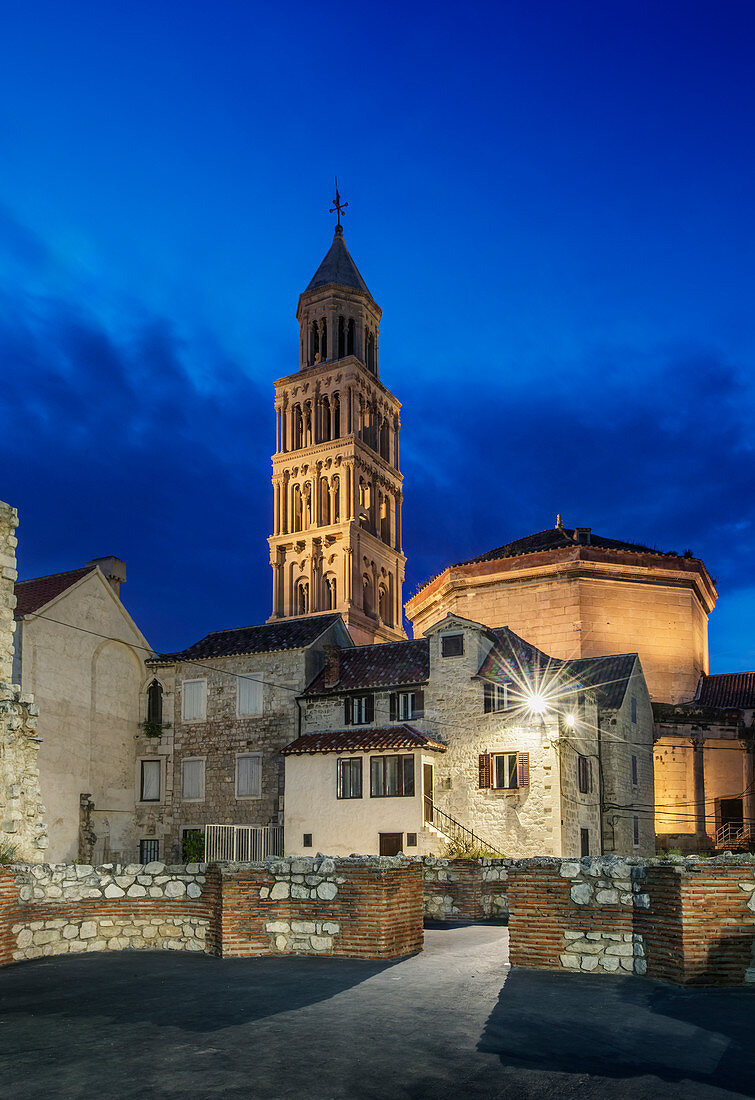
<point>557,538</point>
<point>510,653</point>
<point>697,716</point>
<point>363,739</point>
<point>728,689</point>
<point>386,665</point>
<point>33,594</point>
<point>607,677</point>
<point>287,634</point>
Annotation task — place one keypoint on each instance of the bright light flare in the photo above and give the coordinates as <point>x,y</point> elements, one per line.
<point>537,703</point>
<point>570,720</point>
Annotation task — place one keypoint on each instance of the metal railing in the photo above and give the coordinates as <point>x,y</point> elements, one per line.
<point>454,829</point>
<point>734,835</point>
<point>242,843</point>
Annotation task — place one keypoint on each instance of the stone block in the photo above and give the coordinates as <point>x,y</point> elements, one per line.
<point>277,926</point>
<point>573,935</point>
<point>301,892</point>
<point>621,949</point>
<point>581,893</point>
<point>279,891</point>
<point>588,962</point>
<point>321,943</point>
<point>25,937</point>
<point>154,868</point>
<point>571,962</point>
<point>88,930</point>
<point>136,891</point>
<point>307,926</point>
<point>45,935</point>
<point>609,963</point>
<point>326,891</point>
<point>570,870</point>
<point>175,889</point>
<point>607,897</point>
<point>193,890</point>
<point>113,891</point>
<point>642,901</point>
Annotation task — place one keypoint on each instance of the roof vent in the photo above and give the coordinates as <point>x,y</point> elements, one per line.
<point>583,535</point>
<point>113,569</point>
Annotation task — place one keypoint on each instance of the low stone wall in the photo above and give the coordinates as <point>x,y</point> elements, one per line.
<point>364,907</point>
<point>465,889</point>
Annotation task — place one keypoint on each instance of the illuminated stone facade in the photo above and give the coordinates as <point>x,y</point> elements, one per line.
<point>336,542</point>
<point>573,594</point>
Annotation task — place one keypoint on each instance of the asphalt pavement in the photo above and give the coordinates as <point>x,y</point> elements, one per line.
<point>452,1022</point>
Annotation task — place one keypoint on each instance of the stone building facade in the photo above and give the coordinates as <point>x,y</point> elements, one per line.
<point>215,717</point>
<point>577,594</point>
<point>23,831</point>
<point>472,731</point>
<point>79,652</point>
<point>336,542</point>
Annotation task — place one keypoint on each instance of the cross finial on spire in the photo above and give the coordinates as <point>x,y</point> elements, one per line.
<point>338,208</point>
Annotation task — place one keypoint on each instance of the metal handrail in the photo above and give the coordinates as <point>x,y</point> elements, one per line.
<point>733,835</point>
<point>453,829</point>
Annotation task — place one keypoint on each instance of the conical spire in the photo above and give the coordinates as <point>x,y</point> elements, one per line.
<point>338,267</point>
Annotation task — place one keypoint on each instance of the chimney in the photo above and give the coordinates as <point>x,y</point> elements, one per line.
<point>332,664</point>
<point>582,535</point>
<point>113,569</point>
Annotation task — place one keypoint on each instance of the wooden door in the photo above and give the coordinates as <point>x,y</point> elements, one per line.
<point>391,843</point>
<point>427,783</point>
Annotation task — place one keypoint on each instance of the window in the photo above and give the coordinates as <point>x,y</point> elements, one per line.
<point>411,840</point>
<point>192,779</point>
<point>193,697</point>
<point>249,775</point>
<point>452,645</point>
<point>350,778</point>
<point>504,771</point>
<point>635,775</point>
<point>150,781</point>
<point>155,702</point>
<point>149,851</point>
<point>636,831</point>
<point>359,710</point>
<point>249,695</point>
<point>634,709</point>
<point>406,705</point>
<point>306,840</point>
<point>584,775</point>
<point>391,776</point>
<point>495,697</point>
<point>584,842</point>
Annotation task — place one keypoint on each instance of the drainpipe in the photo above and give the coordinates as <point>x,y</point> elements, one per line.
<point>600,782</point>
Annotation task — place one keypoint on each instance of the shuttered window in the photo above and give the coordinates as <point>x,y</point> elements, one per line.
<point>193,695</point>
<point>406,705</point>
<point>495,697</point>
<point>192,780</point>
<point>359,710</point>
<point>249,775</point>
<point>250,695</point>
<point>504,771</point>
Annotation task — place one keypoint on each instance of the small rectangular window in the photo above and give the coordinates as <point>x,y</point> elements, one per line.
<point>391,776</point>
<point>636,831</point>
<point>193,700</point>
<point>505,771</point>
<point>192,780</point>
<point>495,697</point>
<point>362,709</point>
<point>249,775</point>
<point>249,695</point>
<point>584,842</point>
<point>350,777</point>
<point>306,841</point>
<point>411,840</point>
<point>634,709</point>
<point>584,775</point>
<point>452,645</point>
<point>150,782</point>
<point>149,851</point>
<point>635,775</point>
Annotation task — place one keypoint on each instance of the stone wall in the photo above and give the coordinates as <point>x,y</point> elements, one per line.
<point>22,826</point>
<point>357,908</point>
<point>465,889</point>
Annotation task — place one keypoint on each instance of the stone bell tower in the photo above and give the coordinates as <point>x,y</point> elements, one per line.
<point>336,542</point>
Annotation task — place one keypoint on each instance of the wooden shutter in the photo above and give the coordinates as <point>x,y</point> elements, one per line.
<point>484,770</point>
<point>347,711</point>
<point>394,706</point>
<point>522,769</point>
<point>487,697</point>
<point>369,708</point>
<point>419,704</point>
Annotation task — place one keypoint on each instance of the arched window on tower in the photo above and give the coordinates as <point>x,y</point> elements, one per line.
<point>308,424</point>
<point>367,604</point>
<point>302,598</point>
<point>329,592</point>
<point>336,500</point>
<point>371,351</point>
<point>314,356</point>
<point>383,448</point>
<point>384,605</point>
<point>296,508</point>
<point>385,520</point>
<point>325,435</point>
<point>336,416</point>
<point>155,702</point>
<point>341,337</point>
<point>324,502</point>
<point>298,428</point>
<point>350,337</point>
<point>324,341</point>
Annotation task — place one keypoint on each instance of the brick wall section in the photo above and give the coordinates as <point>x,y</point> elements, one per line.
<point>465,889</point>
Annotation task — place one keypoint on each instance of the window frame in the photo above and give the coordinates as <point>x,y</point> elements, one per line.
<point>259,683</point>
<point>350,760</point>
<point>194,680</point>
<point>496,697</point>
<point>194,760</point>
<point>446,638</point>
<point>633,708</point>
<point>154,761</point>
<point>247,756</point>
<point>401,769</point>
<point>636,831</point>
<point>366,709</point>
<point>510,756</point>
<point>487,769</point>
<point>635,764</point>
<point>584,774</point>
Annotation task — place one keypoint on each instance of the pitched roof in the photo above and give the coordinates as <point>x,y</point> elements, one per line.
<point>557,538</point>
<point>338,267</point>
<point>382,739</point>
<point>33,594</point>
<point>607,677</point>
<point>727,689</point>
<point>387,665</point>
<point>511,653</point>
<point>288,634</point>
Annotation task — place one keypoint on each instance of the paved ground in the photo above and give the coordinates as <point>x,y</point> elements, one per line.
<point>453,1022</point>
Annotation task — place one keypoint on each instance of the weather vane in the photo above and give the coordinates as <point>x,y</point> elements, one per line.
<point>338,206</point>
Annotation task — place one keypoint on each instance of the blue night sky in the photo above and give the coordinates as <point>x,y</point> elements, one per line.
<point>552,202</point>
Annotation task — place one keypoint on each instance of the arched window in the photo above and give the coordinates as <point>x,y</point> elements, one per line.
<point>324,502</point>
<point>336,416</point>
<point>315,343</point>
<point>302,598</point>
<point>324,341</point>
<point>367,595</point>
<point>371,351</point>
<point>308,424</point>
<point>155,702</point>
<point>329,593</point>
<point>383,449</point>
<point>296,508</point>
<point>336,500</point>
<point>385,520</point>
<point>298,428</point>
<point>350,337</point>
<point>384,605</point>
<point>325,420</point>
<point>341,337</point>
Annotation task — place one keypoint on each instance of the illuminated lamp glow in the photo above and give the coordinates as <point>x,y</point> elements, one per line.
<point>570,720</point>
<point>537,704</point>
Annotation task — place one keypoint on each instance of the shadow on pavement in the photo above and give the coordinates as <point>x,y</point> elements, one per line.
<point>623,1027</point>
<point>171,989</point>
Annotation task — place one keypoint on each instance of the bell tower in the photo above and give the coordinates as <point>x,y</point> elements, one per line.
<point>336,542</point>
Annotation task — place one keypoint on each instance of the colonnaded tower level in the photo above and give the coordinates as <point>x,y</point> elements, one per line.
<point>336,542</point>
